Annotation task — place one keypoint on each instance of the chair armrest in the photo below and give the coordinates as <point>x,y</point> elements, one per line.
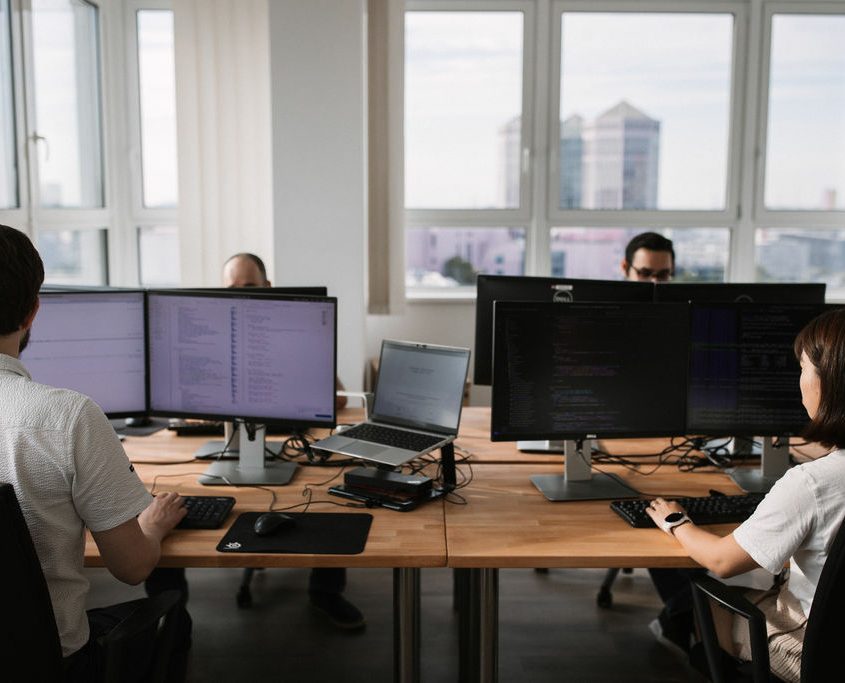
<point>145,618</point>
<point>706,589</point>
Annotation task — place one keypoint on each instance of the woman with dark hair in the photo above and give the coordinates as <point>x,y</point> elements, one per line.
<point>799,517</point>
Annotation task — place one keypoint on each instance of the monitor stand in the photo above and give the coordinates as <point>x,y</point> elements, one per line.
<point>774,462</point>
<point>578,481</point>
<point>229,448</point>
<point>737,447</point>
<point>251,468</point>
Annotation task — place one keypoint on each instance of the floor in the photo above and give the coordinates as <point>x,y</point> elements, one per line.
<point>550,628</point>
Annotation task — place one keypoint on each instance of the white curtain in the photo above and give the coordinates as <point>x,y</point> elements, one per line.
<point>385,74</point>
<point>224,133</point>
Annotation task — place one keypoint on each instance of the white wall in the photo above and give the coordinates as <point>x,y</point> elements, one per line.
<point>318,99</point>
<point>450,322</point>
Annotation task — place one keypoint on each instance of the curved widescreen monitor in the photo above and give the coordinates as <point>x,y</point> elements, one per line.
<point>257,357</point>
<point>92,341</point>
<point>741,292</point>
<point>589,370</point>
<point>490,288</point>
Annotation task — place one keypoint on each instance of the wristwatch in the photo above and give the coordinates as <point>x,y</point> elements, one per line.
<point>673,520</point>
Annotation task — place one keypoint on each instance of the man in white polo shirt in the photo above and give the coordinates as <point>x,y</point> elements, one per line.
<point>69,473</point>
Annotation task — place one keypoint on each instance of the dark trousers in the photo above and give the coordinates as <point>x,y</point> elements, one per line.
<point>87,665</point>
<point>674,588</point>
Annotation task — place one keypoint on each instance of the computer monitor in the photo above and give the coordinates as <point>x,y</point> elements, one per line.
<point>585,371</point>
<point>743,379</point>
<point>254,357</point>
<point>754,292</point>
<point>92,342</point>
<point>490,288</point>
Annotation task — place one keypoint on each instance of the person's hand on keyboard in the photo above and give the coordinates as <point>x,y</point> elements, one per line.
<point>667,515</point>
<point>164,513</point>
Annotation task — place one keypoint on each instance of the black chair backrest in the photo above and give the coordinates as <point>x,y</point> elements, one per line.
<point>27,623</point>
<point>821,655</point>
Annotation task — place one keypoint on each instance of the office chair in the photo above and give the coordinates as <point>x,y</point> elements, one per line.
<point>29,639</point>
<point>820,656</point>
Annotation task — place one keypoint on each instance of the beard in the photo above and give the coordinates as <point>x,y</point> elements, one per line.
<point>24,341</point>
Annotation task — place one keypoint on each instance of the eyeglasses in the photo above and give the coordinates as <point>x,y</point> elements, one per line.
<point>649,274</point>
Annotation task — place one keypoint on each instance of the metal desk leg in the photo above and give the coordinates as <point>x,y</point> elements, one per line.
<point>406,625</point>
<point>480,628</point>
<point>488,619</point>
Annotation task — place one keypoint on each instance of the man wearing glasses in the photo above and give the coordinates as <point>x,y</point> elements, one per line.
<point>649,257</point>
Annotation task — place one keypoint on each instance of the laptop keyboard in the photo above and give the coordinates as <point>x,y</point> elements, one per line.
<point>206,512</point>
<point>398,438</point>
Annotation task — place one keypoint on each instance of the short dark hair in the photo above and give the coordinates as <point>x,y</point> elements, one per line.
<point>651,241</point>
<point>251,257</point>
<point>823,340</point>
<point>21,275</point>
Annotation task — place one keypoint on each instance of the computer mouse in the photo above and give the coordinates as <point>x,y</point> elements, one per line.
<point>272,522</point>
<point>140,421</point>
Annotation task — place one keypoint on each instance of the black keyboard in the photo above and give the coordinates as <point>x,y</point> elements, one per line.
<point>398,438</point>
<point>206,512</point>
<point>713,509</point>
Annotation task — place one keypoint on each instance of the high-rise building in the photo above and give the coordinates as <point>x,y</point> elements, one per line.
<point>620,160</point>
<point>571,161</point>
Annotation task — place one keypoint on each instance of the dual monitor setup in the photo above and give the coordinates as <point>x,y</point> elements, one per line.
<point>209,354</point>
<point>575,360</point>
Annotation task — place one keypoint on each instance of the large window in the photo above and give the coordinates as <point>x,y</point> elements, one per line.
<point>719,124</point>
<point>805,159</point>
<point>88,138</point>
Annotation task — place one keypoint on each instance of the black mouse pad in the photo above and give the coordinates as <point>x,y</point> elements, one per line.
<point>318,533</point>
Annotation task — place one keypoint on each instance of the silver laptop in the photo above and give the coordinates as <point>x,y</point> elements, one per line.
<point>416,404</point>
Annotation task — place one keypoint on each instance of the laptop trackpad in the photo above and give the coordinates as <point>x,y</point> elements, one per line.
<point>364,450</point>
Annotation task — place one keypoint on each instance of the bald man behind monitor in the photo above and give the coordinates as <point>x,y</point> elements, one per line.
<point>327,583</point>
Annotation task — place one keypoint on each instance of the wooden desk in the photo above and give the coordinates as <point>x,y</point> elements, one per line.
<point>405,542</point>
<point>508,523</point>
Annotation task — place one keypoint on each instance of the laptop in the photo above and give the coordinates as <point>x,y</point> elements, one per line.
<point>416,405</point>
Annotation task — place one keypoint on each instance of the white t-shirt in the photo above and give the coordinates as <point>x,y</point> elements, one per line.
<point>69,472</point>
<point>797,521</point>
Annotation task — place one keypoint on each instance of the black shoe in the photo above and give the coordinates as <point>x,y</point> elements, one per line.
<point>675,633</point>
<point>338,610</point>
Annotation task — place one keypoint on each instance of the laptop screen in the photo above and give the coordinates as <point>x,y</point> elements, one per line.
<point>420,386</point>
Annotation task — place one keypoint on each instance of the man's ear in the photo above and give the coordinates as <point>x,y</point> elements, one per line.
<point>625,267</point>
<point>27,322</point>
<point>267,283</point>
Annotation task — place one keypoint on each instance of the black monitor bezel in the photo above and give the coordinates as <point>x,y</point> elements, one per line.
<point>680,431</point>
<point>730,292</point>
<point>483,350</point>
<point>317,290</point>
<point>49,291</point>
<point>251,293</point>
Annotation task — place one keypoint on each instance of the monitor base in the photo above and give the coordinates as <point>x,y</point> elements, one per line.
<point>230,473</point>
<point>751,480</point>
<point>601,486</point>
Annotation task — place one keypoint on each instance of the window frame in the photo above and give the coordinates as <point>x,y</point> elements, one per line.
<point>810,219</point>
<point>520,217</point>
<point>139,216</point>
